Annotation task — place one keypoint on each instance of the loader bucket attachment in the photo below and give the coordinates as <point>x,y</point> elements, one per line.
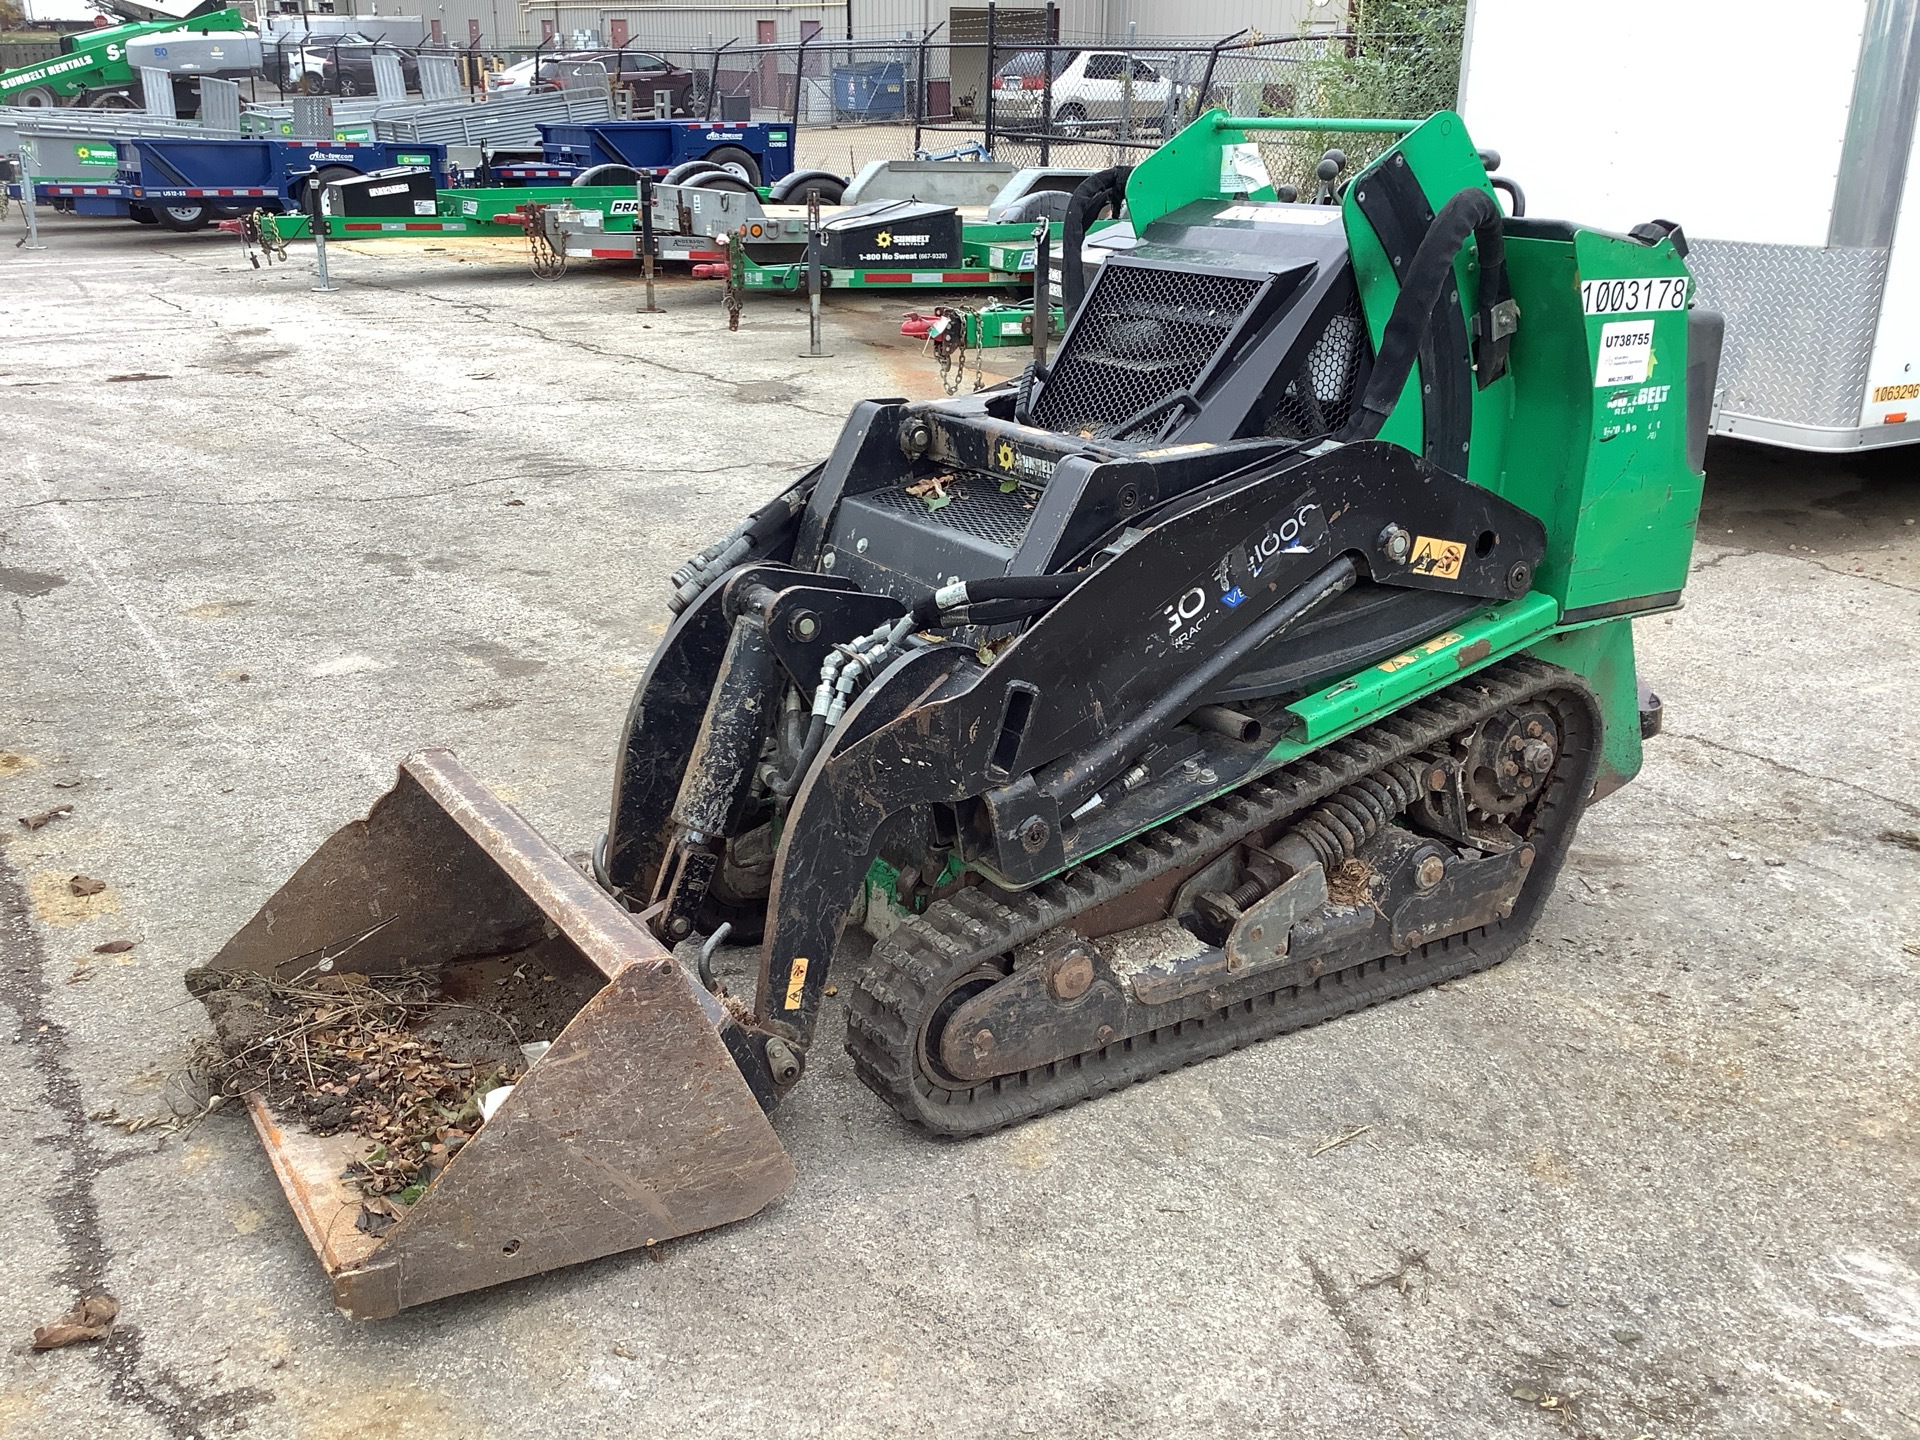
<point>634,1127</point>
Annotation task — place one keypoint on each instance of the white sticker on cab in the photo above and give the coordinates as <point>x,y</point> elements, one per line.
<point>1626,353</point>
<point>1242,171</point>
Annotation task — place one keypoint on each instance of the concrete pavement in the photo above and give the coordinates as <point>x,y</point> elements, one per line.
<point>1654,1177</point>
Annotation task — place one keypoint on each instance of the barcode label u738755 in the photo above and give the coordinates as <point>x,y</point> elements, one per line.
<point>1633,297</point>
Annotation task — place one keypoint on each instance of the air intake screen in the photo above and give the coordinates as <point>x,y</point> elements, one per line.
<point>1317,399</point>
<point>1144,335</point>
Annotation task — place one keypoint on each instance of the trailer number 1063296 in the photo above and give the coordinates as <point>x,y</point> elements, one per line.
<point>1630,297</point>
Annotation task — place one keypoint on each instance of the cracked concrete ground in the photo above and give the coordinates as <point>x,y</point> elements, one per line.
<point>1654,1177</point>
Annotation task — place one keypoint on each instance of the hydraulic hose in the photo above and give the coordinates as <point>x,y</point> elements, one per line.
<point>1077,778</point>
<point>950,598</point>
<point>756,532</point>
<point>1471,212</point>
<point>995,600</point>
<point>1103,190</point>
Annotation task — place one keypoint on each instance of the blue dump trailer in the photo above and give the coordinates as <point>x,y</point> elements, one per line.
<point>759,152</point>
<point>181,183</point>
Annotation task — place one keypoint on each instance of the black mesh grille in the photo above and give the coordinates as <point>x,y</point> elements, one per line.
<point>1145,334</point>
<point>1319,397</point>
<point>978,508</point>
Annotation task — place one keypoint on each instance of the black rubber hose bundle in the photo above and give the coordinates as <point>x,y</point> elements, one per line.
<point>1048,588</point>
<point>1471,212</point>
<point>1103,190</point>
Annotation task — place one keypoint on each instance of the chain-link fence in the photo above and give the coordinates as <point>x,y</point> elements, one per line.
<point>1008,88</point>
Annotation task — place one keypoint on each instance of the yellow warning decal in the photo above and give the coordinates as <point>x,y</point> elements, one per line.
<point>1439,558</point>
<point>796,982</point>
<point>1421,652</point>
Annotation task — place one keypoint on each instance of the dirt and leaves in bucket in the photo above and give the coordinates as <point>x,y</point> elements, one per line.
<point>392,1059</point>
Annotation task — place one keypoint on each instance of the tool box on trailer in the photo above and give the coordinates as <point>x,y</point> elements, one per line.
<point>403,190</point>
<point>887,232</point>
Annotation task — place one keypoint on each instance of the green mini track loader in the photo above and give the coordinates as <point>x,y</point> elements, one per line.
<point>1249,663</point>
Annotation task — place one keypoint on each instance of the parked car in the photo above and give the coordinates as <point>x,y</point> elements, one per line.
<point>517,76</point>
<point>344,66</point>
<point>1089,90</point>
<point>638,71</point>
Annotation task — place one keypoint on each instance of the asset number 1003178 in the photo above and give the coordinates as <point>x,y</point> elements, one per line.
<point>1631,297</point>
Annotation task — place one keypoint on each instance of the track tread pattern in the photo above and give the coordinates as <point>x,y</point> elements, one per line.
<point>910,971</point>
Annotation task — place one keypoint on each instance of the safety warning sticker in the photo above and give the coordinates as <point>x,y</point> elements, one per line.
<point>1283,215</point>
<point>1242,171</point>
<point>1626,353</point>
<point>1439,558</point>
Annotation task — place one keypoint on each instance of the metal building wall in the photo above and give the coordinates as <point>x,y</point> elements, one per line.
<point>676,26</point>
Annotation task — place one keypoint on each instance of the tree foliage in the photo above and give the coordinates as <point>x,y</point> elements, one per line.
<point>1403,60</point>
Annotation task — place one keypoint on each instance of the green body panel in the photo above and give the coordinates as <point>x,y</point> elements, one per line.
<point>1188,168</point>
<point>1605,466</point>
<point>98,60</point>
<point>1641,499</point>
<point>1603,654</point>
<point>1474,643</point>
<point>1443,160</point>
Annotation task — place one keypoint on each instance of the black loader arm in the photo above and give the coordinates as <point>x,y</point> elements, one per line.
<point>1123,658</point>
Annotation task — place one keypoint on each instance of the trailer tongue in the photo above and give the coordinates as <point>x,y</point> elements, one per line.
<point>1251,663</point>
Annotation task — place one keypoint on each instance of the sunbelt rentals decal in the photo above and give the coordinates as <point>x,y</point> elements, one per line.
<point>55,67</point>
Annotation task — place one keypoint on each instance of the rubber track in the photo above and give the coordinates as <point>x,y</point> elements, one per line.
<point>914,966</point>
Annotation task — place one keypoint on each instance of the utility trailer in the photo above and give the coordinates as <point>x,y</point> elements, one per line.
<point>883,244</point>
<point>504,212</point>
<point>692,224</point>
<point>759,153</point>
<point>182,182</point>
<point>1783,136</point>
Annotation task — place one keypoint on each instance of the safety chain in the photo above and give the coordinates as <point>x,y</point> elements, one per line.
<point>548,259</point>
<point>259,236</point>
<point>947,337</point>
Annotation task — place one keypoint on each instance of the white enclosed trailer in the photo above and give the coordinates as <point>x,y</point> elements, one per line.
<point>1781,136</point>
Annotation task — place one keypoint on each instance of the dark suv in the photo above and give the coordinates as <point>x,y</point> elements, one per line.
<point>347,68</point>
<point>637,71</point>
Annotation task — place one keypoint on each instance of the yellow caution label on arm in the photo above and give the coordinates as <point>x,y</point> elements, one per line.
<point>1440,558</point>
<point>796,982</point>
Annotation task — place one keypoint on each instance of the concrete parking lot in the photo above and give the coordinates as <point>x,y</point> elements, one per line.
<point>1654,1177</point>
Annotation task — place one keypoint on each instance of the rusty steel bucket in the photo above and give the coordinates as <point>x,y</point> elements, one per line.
<point>634,1127</point>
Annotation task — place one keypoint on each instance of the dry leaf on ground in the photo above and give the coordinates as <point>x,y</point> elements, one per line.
<point>91,1319</point>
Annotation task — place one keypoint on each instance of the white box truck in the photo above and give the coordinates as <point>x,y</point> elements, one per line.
<point>1781,136</point>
